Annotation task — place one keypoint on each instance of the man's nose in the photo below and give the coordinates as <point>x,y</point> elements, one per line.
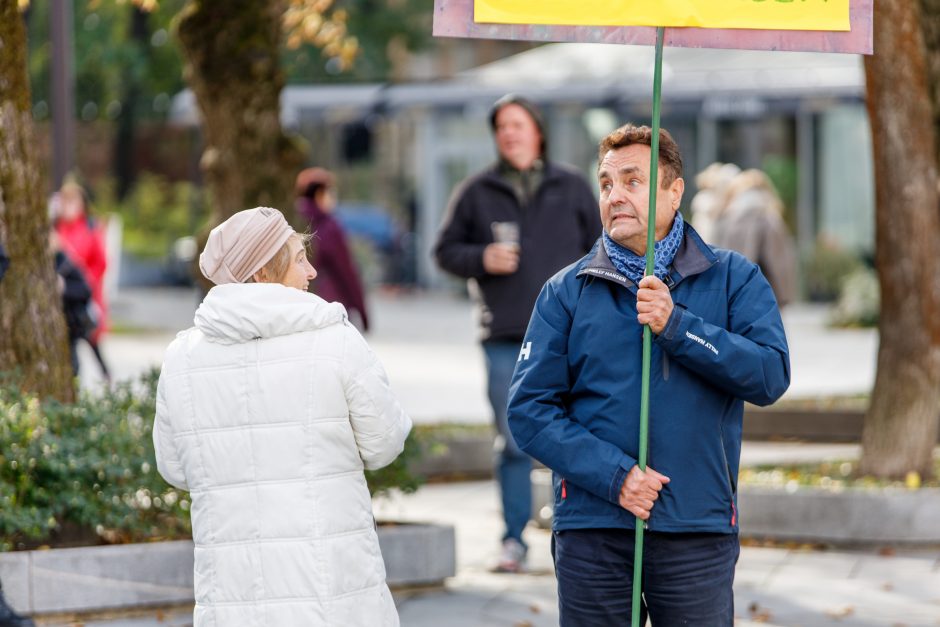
<point>617,195</point>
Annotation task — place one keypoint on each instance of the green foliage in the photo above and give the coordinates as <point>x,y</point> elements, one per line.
<point>825,269</point>
<point>783,173</point>
<point>399,473</point>
<point>379,27</point>
<point>86,469</point>
<point>859,302</point>
<point>110,58</point>
<point>155,213</point>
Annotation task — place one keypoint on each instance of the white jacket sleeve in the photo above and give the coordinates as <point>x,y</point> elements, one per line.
<point>379,423</point>
<point>168,462</point>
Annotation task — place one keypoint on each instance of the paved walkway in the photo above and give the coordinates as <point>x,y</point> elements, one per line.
<point>782,587</point>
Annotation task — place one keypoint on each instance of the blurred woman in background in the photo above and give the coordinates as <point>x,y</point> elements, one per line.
<point>337,277</point>
<point>82,240</point>
<point>751,222</point>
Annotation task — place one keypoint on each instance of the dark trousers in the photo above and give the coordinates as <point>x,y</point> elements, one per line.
<point>687,578</point>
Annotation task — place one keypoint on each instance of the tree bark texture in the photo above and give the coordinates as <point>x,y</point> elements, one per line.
<point>33,337</point>
<point>233,68</point>
<point>901,425</point>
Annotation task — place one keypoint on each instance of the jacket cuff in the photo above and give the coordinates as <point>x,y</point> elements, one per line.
<point>675,320</point>
<point>617,482</point>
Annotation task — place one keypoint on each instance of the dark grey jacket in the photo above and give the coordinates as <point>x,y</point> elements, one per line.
<point>558,226</point>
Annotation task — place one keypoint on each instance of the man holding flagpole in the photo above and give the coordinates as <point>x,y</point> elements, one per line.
<point>575,400</point>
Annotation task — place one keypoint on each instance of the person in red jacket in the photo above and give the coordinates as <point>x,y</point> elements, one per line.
<point>337,277</point>
<point>82,241</point>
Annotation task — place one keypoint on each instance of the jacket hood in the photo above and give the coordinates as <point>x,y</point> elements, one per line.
<point>239,312</point>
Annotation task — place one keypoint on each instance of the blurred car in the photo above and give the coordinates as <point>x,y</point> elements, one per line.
<point>371,223</point>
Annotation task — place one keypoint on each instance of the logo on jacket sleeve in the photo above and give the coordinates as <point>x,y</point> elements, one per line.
<point>525,352</point>
<point>699,340</point>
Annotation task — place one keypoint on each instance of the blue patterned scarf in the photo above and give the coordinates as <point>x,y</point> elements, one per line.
<point>633,266</point>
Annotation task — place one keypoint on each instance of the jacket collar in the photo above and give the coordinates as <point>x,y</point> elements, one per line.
<point>693,257</point>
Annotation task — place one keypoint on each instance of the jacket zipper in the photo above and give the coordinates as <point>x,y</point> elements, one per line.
<point>724,456</point>
<point>564,490</point>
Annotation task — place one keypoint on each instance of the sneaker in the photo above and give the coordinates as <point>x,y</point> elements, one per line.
<point>512,557</point>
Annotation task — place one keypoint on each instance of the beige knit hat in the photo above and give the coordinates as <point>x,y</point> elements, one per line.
<point>241,245</point>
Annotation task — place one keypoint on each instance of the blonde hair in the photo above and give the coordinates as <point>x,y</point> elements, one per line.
<point>758,181</point>
<point>275,269</point>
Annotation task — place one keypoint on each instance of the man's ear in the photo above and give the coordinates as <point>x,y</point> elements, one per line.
<point>675,191</point>
<point>258,277</point>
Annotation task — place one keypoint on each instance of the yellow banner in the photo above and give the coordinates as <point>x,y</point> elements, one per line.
<point>831,15</point>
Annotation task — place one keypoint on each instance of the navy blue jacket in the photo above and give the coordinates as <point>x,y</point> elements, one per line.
<point>575,399</point>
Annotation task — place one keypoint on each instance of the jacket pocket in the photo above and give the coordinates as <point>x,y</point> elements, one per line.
<point>730,481</point>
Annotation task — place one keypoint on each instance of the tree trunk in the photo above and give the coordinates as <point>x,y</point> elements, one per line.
<point>32,328</point>
<point>233,68</point>
<point>901,425</point>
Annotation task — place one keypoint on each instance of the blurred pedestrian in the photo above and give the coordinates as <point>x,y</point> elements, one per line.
<point>8,616</point>
<point>76,298</point>
<point>82,240</point>
<point>575,401</point>
<point>268,410</point>
<point>507,230</point>
<point>709,201</point>
<point>751,222</point>
<point>337,277</point>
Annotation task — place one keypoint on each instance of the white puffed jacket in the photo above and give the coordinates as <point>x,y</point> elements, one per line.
<point>267,411</point>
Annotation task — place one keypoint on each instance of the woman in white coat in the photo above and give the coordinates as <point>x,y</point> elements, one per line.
<point>268,409</point>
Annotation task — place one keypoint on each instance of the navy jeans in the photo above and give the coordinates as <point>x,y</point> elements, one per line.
<point>687,577</point>
<point>513,467</point>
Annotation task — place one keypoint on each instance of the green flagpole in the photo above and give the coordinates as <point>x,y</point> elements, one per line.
<point>647,334</point>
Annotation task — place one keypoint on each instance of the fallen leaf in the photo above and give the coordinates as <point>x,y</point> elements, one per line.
<point>887,587</point>
<point>522,623</point>
<point>535,609</point>
<point>886,551</point>
<point>758,614</point>
<point>842,612</point>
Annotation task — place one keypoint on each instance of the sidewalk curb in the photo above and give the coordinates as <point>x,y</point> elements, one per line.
<point>851,516</point>
<point>91,579</point>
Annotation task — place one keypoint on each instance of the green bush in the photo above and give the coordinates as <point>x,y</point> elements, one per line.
<point>399,473</point>
<point>155,213</point>
<point>825,269</point>
<point>859,302</point>
<point>84,473</point>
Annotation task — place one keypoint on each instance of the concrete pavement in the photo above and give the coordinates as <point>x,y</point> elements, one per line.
<point>774,586</point>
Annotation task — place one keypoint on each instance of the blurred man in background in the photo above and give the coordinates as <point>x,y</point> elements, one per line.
<point>508,229</point>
